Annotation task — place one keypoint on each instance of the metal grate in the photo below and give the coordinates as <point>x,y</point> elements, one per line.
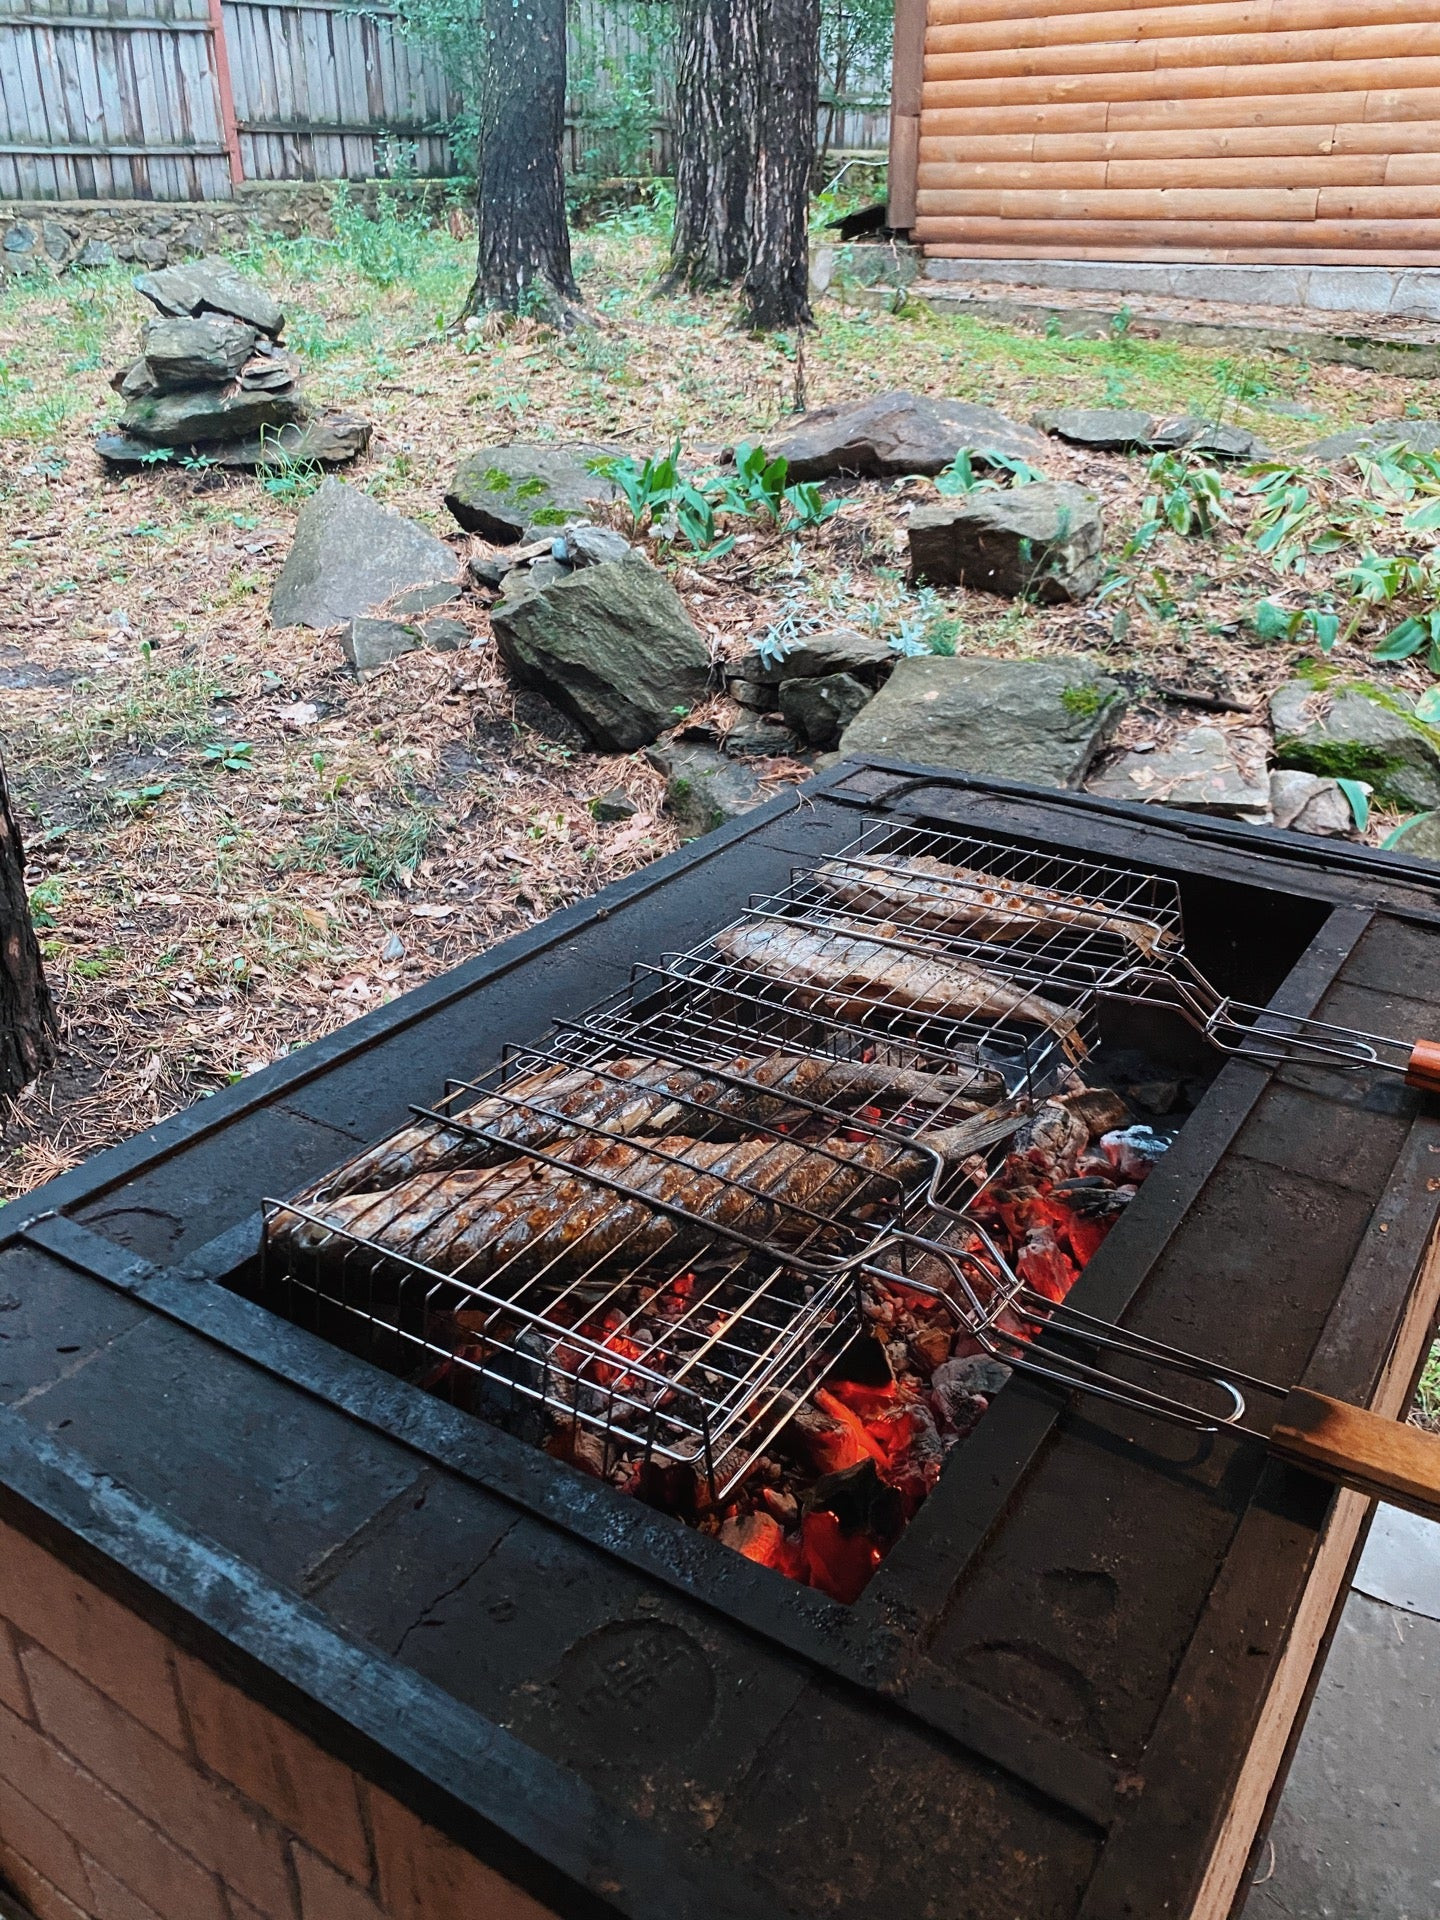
<point>652,1226</point>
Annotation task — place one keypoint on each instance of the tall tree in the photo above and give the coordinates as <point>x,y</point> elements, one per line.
<point>716,87</point>
<point>777,268</point>
<point>524,252</point>
<point>27,1016</point>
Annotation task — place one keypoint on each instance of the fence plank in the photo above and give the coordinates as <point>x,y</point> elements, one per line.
<point>120,98</point>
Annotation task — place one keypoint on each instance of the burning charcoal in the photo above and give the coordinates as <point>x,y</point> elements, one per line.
<point>861,1501</point>
<point>1098,1107</point>
<point>670,1486</point>
<point>1042,1264</point>
<point>929,1348</point>
<point>962,1390</point>
<point>838,1563</point>
<point>782,1507</point>
<point>1093,1197</point>
<point>581,1448</point>
<point>829,1441</point>
<point>1060,1134</point>
<point>757,1536</point>
<point>1156,1096</point>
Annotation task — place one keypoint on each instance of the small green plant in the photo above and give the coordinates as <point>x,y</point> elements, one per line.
<point>231,756</point>
<point>382,854</point>
<point>961,477</point>
<point>140,799</point>
<point>1188,498</point>
<point>45,899</point>
<point>97,965</point>
<point>1420,633</point>
<point>1272,622</point>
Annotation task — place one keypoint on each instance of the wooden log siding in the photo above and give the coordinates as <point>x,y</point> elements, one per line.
<point>1061,129</point>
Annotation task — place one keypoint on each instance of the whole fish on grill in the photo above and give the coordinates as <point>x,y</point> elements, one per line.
<point>550,1223</point>
<point>921,891</point>
<point>642,1095</point>
<point>848,967</point>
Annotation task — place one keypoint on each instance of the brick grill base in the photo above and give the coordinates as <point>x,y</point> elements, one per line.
<point>135,1784</point>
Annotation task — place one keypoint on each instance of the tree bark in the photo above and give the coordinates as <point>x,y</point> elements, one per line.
<point>716,84</point>
<point>523,264</point>
<point>27,1015</point>
<point>777,271</point>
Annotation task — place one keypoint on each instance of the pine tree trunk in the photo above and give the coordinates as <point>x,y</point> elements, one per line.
<point>27,1016</point>
<point>715,106</point>
<point>524,252</point>
<point>777,272</point>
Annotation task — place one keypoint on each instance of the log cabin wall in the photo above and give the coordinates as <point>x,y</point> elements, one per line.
<point>1281,131</point>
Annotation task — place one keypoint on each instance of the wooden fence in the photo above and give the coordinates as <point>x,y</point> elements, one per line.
<point>184,99</point>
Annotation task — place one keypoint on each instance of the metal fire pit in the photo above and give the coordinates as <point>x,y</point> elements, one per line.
<point>1069,1689</point>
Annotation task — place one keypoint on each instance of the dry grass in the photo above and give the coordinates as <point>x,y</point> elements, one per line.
<point>235,846</point>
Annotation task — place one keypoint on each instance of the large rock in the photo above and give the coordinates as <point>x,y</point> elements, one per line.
<point>703,788</point>
<point>821,709</point>
<point>1420,838</point>
<point>1040,541</point>
<point>1308,804</point>
<point>1036,720</point>
<point>1102,429</point>
<point>211,286</point>
<point>350,555</point>
<point>197,353</point>
<point>840,650</point>
<point>207,413</point>
<point>901,433</point>
<point>1221,442</point>
<point>1419,436</point>
<point>1360,732</point>
<point>1204,771</point>
<point>611,645</point>
<point>326,440</point>
<point>522,491</point>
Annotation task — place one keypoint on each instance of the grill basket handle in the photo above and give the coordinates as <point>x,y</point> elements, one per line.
<point>1423,1067</point>
<point>1384,1458</point>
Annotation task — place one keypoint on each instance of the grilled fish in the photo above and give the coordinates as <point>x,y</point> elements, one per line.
<point>642,1095</point>
<point>850,970</point>
<point>619,1198</point>
<point>925,892</point>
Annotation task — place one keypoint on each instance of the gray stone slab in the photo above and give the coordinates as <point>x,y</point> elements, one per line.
<point>1356,1835</point>
<point>1401,1562</point>
<point>1037,720</point>
<point>350,555</point>
<point>1200,771</point>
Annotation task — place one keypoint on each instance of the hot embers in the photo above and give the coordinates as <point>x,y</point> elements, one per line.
<point>830,1495</point>
<point>843,1480</point>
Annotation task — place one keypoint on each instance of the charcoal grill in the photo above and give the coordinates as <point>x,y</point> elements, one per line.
<point>699,1354</point>
<point>1067,1692</point>
<point>701,1359</point>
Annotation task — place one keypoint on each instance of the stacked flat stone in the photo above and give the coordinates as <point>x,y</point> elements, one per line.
<point>214,380</point>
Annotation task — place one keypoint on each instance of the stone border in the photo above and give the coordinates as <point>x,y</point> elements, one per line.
<point>58,235</point>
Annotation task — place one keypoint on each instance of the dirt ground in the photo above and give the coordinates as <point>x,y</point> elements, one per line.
<point>236,847</point>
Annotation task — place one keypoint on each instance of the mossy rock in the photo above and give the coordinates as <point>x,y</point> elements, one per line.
<point>1353,731</point>
<point>523,491</point>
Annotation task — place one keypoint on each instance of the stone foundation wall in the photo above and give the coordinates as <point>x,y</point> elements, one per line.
<point>56,236</point>
<point>136,1784</point>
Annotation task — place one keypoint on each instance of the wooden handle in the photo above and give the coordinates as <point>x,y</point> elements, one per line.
<point>1377,1456</point>
<point>1423,1068</point>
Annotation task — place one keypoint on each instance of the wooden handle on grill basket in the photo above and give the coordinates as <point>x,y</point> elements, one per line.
<point>1386,1458</point>
<point>1423,1066</point>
